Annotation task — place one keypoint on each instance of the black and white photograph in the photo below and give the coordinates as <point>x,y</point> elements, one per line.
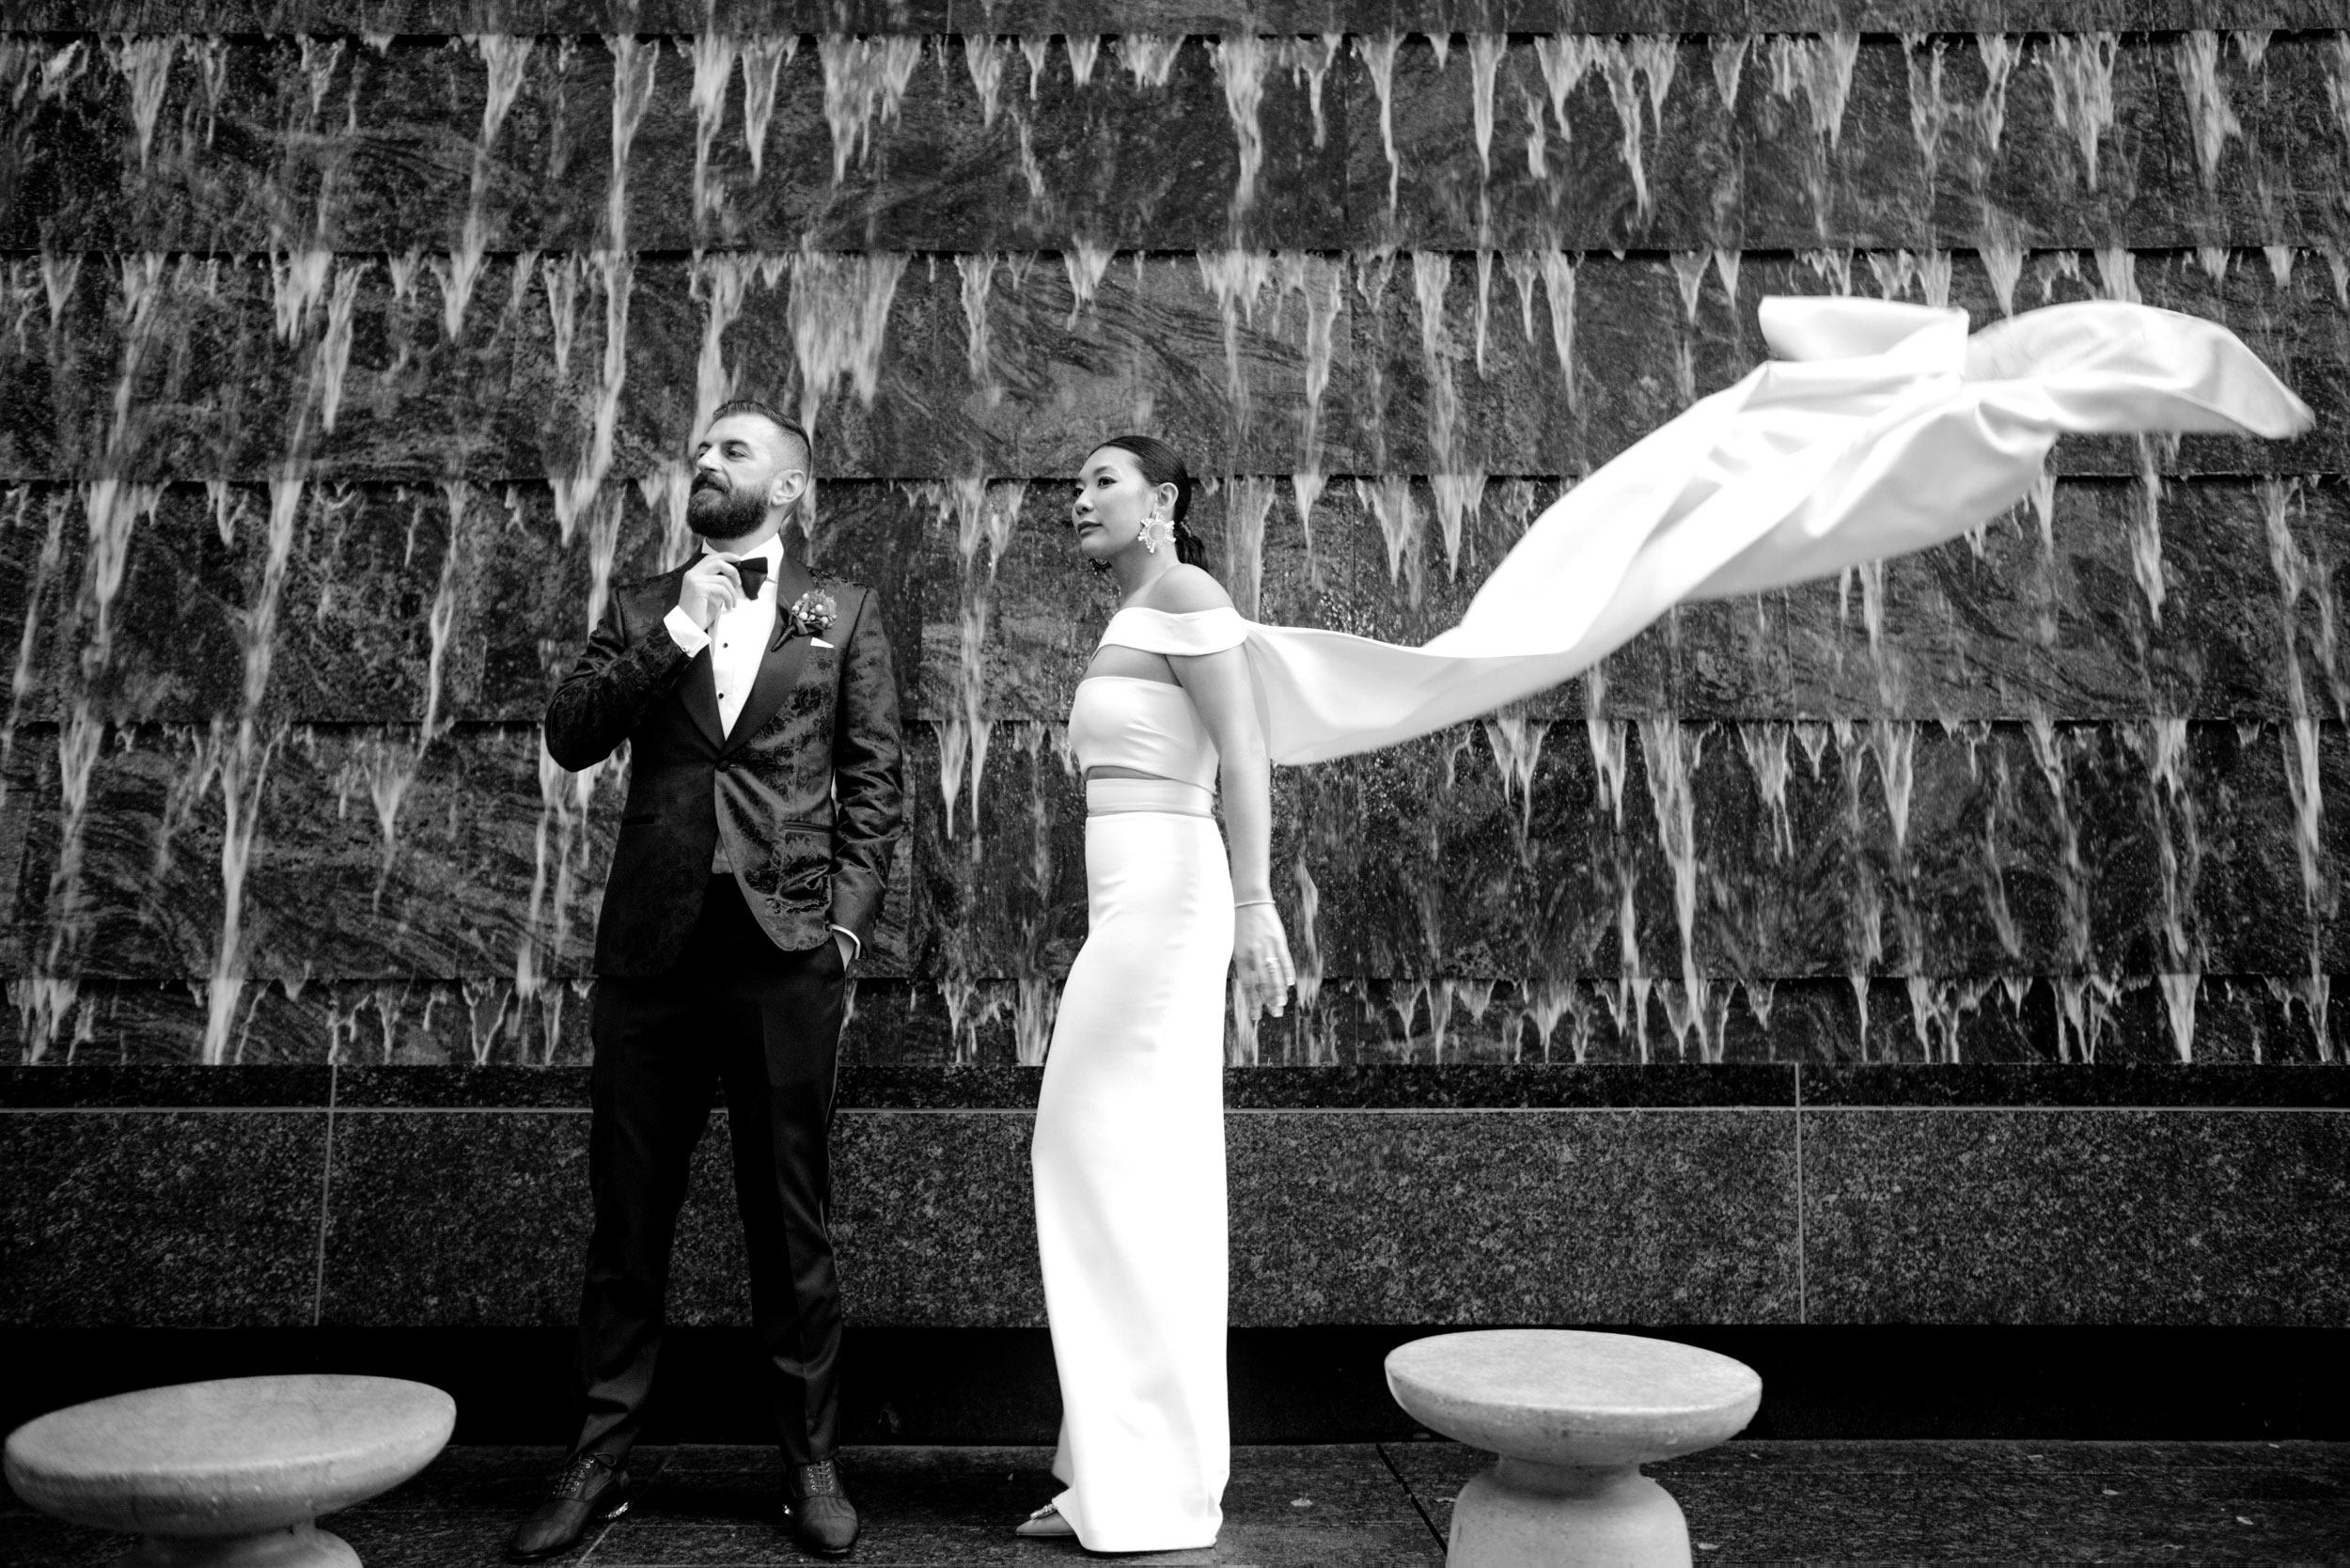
<point>1281,783</point>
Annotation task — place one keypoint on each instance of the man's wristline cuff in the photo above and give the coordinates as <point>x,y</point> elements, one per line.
<point>689,637</point>
<point>856,949</point>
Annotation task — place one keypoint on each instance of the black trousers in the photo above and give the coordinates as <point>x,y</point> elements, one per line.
<point>766,1024</point>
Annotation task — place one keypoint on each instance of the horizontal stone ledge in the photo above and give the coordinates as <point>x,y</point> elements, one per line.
<point>65,1086</point>
<point>1332,1086</point>
<point>2078,1085</point>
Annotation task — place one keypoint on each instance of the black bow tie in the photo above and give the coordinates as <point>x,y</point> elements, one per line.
<point>752,570</point>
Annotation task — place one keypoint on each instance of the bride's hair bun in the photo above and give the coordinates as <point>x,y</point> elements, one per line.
<point>1163,465</point>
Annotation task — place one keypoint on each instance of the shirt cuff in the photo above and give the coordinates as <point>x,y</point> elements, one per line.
<point>683,631</point>
<point>856,949</point>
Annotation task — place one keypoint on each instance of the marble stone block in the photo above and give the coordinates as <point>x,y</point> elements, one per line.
<point>182,1219</point>
<point>2055,1215</point>
<point>1531,1216</point>
<point>481,1218</point>
<point>933,1223</point>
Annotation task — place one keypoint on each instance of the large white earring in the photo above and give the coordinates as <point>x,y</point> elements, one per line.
<point>1150,535</point>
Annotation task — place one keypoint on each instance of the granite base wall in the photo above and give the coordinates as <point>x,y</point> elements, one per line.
<point>1756,1195</point>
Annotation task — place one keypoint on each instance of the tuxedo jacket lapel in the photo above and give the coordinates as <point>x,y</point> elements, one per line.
<point>700,690</point>
<point>779,670</point>
<point>699,687</point>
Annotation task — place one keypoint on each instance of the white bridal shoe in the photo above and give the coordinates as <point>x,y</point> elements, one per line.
<point>1046,1521</point>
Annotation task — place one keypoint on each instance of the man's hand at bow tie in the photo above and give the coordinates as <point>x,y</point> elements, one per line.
<point>714,584</point>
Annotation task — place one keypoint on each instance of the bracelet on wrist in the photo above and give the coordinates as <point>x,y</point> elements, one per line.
<point>1245,903</point>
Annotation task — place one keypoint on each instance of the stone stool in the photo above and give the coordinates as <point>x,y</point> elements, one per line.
<point>1574,1416</point>
<point>230,1474</point>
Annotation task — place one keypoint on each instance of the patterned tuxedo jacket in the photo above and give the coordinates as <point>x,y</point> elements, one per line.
<point>806,792</point>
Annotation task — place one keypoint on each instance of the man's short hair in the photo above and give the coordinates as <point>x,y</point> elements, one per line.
<point>776,417</point>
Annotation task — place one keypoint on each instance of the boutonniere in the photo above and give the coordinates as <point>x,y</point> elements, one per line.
<point>813,612</point>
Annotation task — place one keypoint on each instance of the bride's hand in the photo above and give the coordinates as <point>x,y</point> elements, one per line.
<point>1261,950</point>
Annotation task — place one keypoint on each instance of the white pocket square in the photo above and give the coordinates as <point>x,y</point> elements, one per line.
<point>818,642</point>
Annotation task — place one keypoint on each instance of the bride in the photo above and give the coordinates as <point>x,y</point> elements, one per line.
<point>1129,1150</point>
<point>1883,428</point>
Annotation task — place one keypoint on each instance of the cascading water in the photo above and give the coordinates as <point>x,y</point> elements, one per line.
<point>1236,279</point>
<point>2208,110</point>
<point>1378,57</point>
<point>1309,381</point>
<point>713,55</point>
<point>866,80</point>
<point>241,759</point>
<point>2079,70</point>
<point>1821,68</point>
<point>1240,64</point>
<point>2179,854</point>
<point>984,516</point>
<point>1390,503</point>
<point>1931,114</point>
<point>2299,737</point>
<point>1247,500</point>
<point>1432,276</point>
<point>1320,283</point>
<point>1670,752</point>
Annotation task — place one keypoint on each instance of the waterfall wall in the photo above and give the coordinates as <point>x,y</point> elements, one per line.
<point>351,353</point>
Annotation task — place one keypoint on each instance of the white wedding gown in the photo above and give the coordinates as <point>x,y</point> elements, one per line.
<point>1885,429</point>
<point>1129,1150</point>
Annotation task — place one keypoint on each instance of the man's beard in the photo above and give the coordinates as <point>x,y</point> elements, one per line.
<point>722,514</point>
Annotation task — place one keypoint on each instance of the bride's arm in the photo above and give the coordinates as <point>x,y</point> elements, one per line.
<point>1221,688</point>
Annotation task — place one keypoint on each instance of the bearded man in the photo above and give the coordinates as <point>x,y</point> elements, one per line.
<point>764,801</point>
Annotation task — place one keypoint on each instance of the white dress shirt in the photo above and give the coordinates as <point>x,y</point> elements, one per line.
<point>738,639</point>
<point>738,642</point>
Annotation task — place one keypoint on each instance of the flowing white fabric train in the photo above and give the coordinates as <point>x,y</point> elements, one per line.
<point>1885,429</point>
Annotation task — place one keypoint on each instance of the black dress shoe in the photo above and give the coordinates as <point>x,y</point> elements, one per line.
<point>821,1518</point>
<point>590,1489</point>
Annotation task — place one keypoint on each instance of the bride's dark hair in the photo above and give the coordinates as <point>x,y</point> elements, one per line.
<point>1163,465</point>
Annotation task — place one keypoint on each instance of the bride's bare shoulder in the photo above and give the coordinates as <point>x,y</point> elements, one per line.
<point>1186,590</point>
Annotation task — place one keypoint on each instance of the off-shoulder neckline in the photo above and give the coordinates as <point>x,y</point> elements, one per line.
<point>1137,680</point>
<point>1175,615</point>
